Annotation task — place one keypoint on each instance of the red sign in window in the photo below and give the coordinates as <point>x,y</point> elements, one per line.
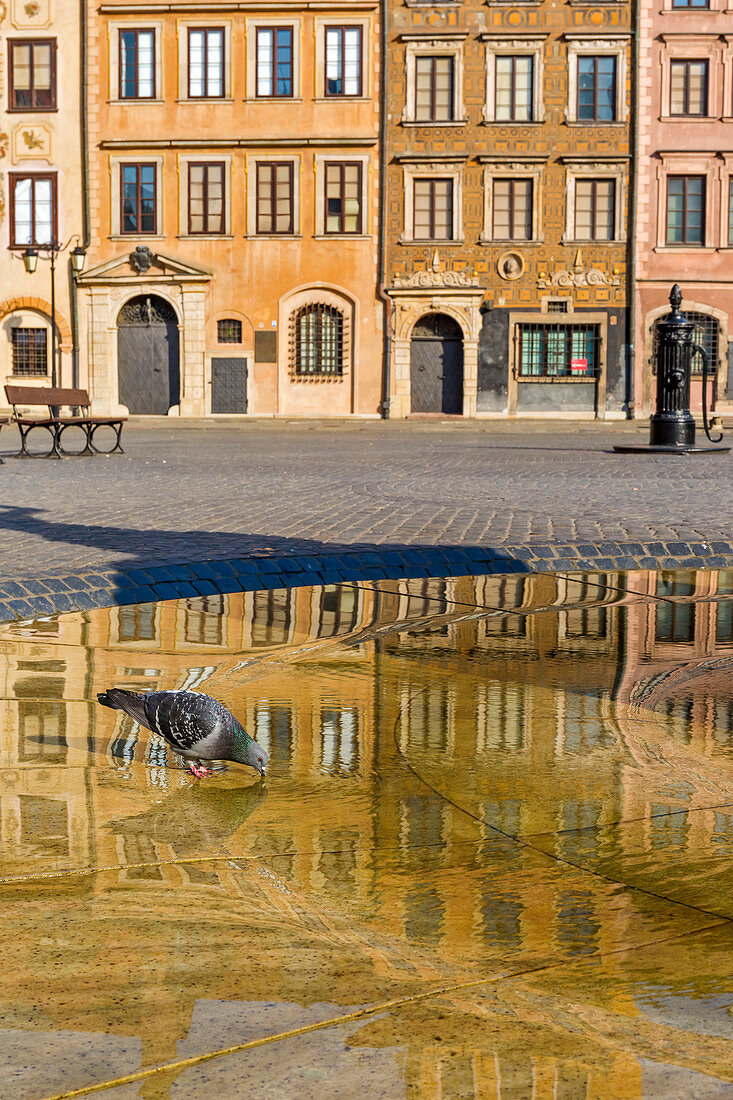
<point>578,366</point>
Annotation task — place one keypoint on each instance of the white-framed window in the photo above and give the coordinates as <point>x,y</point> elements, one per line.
<point>433,202</point>
<point>204,195</point>
<point>273,59</point>
<point>697,77</point>
<point>204,61</point>
<point>434,79</point>
<point>136,196</point>
<point>513,197</point>
<point>597,79</point>
<point>691,204</point>
<point>595,201</point>
<point>273,195</point>
<point>135,70</point>
<point>514,75</point>
<point>342,187</point>
<point>342,59</point>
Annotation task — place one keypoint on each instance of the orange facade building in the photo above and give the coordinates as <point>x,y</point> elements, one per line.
<point>234,209</point>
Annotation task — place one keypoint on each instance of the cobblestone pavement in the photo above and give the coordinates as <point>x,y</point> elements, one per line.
<point>186,493</point>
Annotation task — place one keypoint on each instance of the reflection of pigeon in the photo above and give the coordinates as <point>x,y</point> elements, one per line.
<point>194,724</point>
<point>195,817</point>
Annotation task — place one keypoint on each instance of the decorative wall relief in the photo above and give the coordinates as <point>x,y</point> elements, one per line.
<point>31,141</point>
<point>510,265</point>
<point>577,277</point>
<point>25,14</point>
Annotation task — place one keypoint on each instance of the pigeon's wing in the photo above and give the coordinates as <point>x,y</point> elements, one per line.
<point>184,718</point>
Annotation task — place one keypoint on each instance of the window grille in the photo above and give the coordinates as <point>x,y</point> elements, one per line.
<point>319,340</point>
<point>229,331</point>
<point>706,333</point>
<point>558,351</point>
<point>557,306</point>
<point>30,351</point>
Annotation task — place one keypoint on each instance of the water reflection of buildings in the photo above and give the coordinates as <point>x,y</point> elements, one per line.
<point>322,676</point>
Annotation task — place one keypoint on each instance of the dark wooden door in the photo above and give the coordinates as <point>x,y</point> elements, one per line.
<point>228,385</point>
<point>147,356</point>
<point>436,365</point>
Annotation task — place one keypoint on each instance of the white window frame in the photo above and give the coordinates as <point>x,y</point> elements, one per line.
<point>114,60</point>
<point>514,169</point>
<point>319,91</point>
<point>695,47</point>
<point>115,165</point>
<point>445,45</point>
<point>252,161</point>
<point>321,159</point>
<point>266,23</point>
<point>583,45</point>
<point>215,156</point>
<point>184,26</point>
<point>610,170</point>
<point>517,46</point>
<point>433,170</point>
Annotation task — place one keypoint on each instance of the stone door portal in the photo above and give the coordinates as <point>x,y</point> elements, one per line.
<point>147,356</point>
<point>436,365</point>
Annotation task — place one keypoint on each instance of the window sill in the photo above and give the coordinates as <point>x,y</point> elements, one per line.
<point>341,98</point>
<point>273,237</point>
<point>411,122</point>
<point>31,110</point>
<point>687,119</point>
<point>273,99</point>
<point>586,242</point>
<point>690,249</point>
<point>137,237</point>
<point>204,236</point>
<point>137,102</point>
<point>441,242</point>
<point>342,236</point>
<point>206,99</point>
<point>617,124</point>
<point>543,379</point>
<point>506,242</point>
<point>513,122</point>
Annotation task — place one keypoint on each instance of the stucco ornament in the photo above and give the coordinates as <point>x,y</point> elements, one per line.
<point>141,259</point>
<point>510,265</point>
<point>435,277</point>
<point>575,277</point>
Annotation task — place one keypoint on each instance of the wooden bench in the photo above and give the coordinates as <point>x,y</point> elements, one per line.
<point>3,420</point>
<point>53,399</point>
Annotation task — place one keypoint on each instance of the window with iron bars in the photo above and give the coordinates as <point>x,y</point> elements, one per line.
<point>558,351</point>
<point>30,351</point>
<point>706,333</point>
<point>229,331</point>
<point>319,340</point>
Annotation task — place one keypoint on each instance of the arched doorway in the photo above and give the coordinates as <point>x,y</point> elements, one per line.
<point>147,356</point>
<point>436,365</point>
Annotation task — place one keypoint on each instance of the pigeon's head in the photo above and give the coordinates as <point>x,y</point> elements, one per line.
<point>256,758</point>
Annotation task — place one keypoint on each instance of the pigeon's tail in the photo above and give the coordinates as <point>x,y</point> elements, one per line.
<point>129,701</point>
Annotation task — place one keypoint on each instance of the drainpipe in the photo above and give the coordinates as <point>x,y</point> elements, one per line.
<point>382,246</point>
<point>632,219</point>
<point>83,131</point>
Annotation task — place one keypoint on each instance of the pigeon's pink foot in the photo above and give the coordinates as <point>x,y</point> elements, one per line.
<point>200,771</point>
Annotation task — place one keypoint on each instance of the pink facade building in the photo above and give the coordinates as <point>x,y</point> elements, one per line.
<point>685,184</point>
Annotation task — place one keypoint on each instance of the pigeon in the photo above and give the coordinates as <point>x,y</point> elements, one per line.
<point>195,725</point>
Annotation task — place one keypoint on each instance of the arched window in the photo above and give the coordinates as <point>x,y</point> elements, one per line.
<point>319,340</point>
<point>706,333</point>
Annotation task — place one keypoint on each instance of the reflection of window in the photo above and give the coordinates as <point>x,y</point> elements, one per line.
<point>270,617</point>
<point>424,915</point>
<point>339,740</point>
<point>339,610</point>
<point>274,731</point>
<point>136,623</point>
<point>585,622</point>
<point>724,621</point>
<point>32,75</point>
<point>675,622</point>
<point>141,849</point>
<point>42,730</point>
<point>668,826</point>
<point>337,862</point>
<point>502,917</point>
<point>30,354</point>
<point>577,929</point>
<point>429,719</point>
<point>500,721</point>
<point>44,822</point>
<point>204,621</point>
<point>319,340</point>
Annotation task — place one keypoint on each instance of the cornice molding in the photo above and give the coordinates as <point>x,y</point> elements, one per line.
<point>237,143</point>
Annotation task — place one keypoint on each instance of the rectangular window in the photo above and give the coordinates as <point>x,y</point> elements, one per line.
<point>274,197</point>
<point>597,89</point>
<point>343,61</point>
<point>206,198</point>
<point>343,198</point>
<point>32,75</point>
<point>434,86</point>
<point>514,76</point>
<point>206,63</point>
<point>688,88</point>
<point>229,331</point>
<point>595,210</point>
<point>137,64</point>
<point>30,355</point>
<point>138,198</point>
<point>33,210</point>
<point>558,351</point>
<point>433,209</point>
<point>686,210</point>
<point>274,61</point>
<point>690,3</point>
<point>512,210</point>
<point>730,210</point>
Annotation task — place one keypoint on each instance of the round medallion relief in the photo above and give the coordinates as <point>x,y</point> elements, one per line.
<point>510,265</point>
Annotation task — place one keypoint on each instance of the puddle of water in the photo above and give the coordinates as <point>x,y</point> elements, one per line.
<point>518,790</point>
